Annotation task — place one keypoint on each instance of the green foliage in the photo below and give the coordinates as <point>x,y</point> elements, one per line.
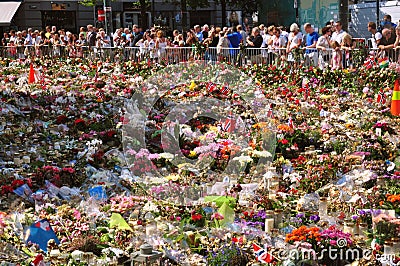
<point>229,256</point>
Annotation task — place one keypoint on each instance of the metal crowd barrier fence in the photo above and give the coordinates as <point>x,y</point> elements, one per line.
<point>173,55</point>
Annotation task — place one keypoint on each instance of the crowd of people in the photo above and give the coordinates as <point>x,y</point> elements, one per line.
<point>332,46</point>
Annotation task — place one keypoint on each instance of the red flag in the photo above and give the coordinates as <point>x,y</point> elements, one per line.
<point>381,97</point>
<point>211,87</point>
<point>224,90</point>
<point>270,112</point>
<point>306,92</point>
<point>31,74</point>
<point>229,124</point>
<point>262,255</point>
<point>370,62</point>
<point>290,122</point>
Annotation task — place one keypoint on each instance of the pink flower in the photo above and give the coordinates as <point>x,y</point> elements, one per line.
<point>77,214</point>
<point>217,216</point>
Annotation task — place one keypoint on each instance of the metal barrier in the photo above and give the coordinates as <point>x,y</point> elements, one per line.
<point>237,56</point>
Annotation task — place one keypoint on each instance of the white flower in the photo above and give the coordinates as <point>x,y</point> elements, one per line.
<point>167,156</point>
<point>243,159</point>
<point>262,154</point>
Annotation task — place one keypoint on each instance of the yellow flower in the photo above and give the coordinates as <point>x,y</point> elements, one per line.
<point>172,177</point>
<point>192,86</point>
<point>192,154</point>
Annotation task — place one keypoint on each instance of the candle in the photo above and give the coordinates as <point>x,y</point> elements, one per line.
<point>348,227</point>
<point>26,159</point>
<point>17,161</point>
<point>269,224</point>
<point>323,207</point>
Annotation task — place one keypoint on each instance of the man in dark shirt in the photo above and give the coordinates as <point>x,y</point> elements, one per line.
<point>386,44</point>
<point>137,35</point>
<point>91,35</point>
<point>255,41</point>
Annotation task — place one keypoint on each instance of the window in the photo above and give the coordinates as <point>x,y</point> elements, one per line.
<point>61,19</point>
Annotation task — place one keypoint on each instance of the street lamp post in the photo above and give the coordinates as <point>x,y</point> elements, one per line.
<point>377,13</point>
<point>296,7</point>
<point>105,16</point>
<point>153,12</point>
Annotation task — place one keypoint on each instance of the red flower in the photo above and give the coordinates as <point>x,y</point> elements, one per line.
<point>79,121</point>
<point>17,183</point>
<point>61,119</point>
<point>283,141</point>
<point>196,217</point>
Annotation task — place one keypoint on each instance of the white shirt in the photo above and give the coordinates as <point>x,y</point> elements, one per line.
<point>294,39</point>
<point>376,37</point>
<point>338,36</point>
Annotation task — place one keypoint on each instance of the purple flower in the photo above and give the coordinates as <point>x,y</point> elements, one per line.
<point>314,218</point>
<point>355,217</point>
<point>300,215</point>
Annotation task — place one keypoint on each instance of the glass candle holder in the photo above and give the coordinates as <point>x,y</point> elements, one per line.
<point>269,221</point>
<point>323,207</point>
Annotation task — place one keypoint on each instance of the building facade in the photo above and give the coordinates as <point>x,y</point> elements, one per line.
<point>317,12</point>
<point>70,15</point>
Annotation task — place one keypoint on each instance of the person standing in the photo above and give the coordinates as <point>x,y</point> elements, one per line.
<point>255,41</point>
<point>234,40</point>
<point>199,34</point>
<point>294,42</point>
<point>91,36</point>
<point>338,34</point>
<point>323,44</point>
<point>376,35</point>
<point>311,45</point>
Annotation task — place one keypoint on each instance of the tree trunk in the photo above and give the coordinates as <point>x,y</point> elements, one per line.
<point>223,12</point>
<point>143,8</point>
<point>344,14</point>
<point>184,16</point>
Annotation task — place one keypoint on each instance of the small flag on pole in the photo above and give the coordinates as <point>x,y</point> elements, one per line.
<point>381,97</point>
<point>211,87</point>
<point>229,124</point>
<point>290,122</point>
<point>384,62</point>
<point>262,255</point>
<point>224,90</point>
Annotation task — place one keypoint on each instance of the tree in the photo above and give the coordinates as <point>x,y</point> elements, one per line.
<point>144,6</point>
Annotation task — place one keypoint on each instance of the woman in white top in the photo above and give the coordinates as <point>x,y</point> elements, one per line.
<point>223,45</point>
<point>277,42</point>
<point>266,40</point>
<point>161,45</point>
<point>323,45</point>
<point>150,43</point>
<point>294,42</point>
<point>142,45</point>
